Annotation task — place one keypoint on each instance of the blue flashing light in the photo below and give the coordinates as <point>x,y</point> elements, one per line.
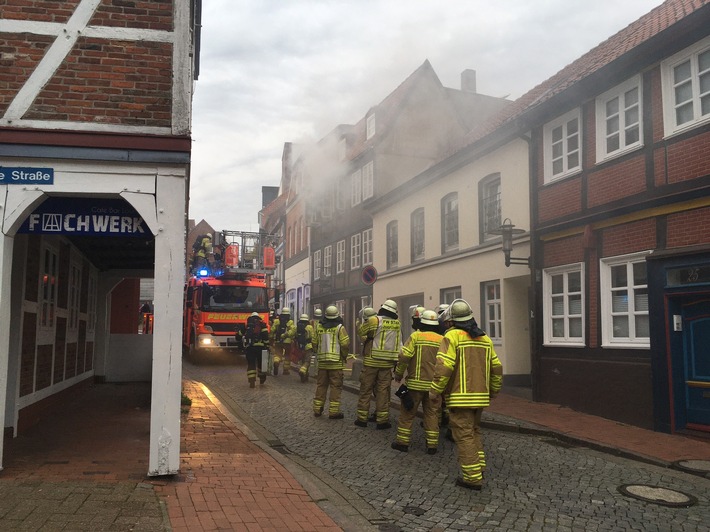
<point>204,272</point>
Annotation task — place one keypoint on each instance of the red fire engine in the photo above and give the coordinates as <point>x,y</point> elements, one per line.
<point>220,296</point>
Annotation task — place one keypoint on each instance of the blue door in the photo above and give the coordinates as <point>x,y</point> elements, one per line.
<point>696,352</point>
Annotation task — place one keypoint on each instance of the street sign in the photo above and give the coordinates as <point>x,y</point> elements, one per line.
<point>369,275</point>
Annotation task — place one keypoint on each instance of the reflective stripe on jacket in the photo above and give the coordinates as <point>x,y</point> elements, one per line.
<point>386,341</point>
<point>418,358</point>
<point>331,346</point>
<point>467,370</point>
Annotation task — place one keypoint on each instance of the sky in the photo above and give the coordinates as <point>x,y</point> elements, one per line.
<point>276,71</point>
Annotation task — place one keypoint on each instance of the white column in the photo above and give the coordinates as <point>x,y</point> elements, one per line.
<point>6,243</point>
<point>167,332</point>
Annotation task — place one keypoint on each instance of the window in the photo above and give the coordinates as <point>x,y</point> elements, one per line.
<point>327,203</point>
<point>341,195</point>
<point>297,241</point>
<point>447,295</point>
<point>686,88</point>
<point>492,323</point>
<point>48,289</point>
<point>563,305</point>
<point>563,155</point>
<point>327,260</point>
<point>367,247</point>
<point>450,222</point>
<point>392,245</point>
<point>340,304</point>
<point>417,234</point>
<point>365,301</point>
<point>624,301</point>
<point>355,188</point>
<point>619,119</point>
<point>304,241</point>
<point>340,257</point>
<point>316,265</point>
<point>368,181</point>
<point>370,126</point>
<point>74,292</point>
<point>355,251</point>
<point>489,206</point>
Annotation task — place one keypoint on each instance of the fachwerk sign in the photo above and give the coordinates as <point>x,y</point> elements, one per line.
<point>87,217</point>
<point>23,175</point>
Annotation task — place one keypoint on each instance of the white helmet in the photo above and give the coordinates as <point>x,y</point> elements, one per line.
<point>305,317</point>
<point>429,317</point>
<point>318,313</point>
<point>254,314</point>
<point>368,312</point>
<point>390,305</point>
<point>286,311</point>
<point>416,311</point>
<point>331,312</point>
<point>442,308</point>
<point>460,310</point>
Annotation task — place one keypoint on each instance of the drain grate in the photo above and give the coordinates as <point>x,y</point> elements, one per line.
<point>658,495</point>
<point>414,510</point>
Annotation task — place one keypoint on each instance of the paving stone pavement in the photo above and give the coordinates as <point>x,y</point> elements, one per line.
<point>533,481</point>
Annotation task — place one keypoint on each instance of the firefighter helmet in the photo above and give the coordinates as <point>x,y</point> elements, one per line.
<point>332,312</point>
<point>305,317</point>
<point>254,314</point>
<point>416,311</point>
<point>441,308</point>
<point>286,311</point>
<point>390,305</point>
<point>461,311</point>
<point>429,317</point>
<point>368,312</point>
<point>318,313</point>
<point>209,235</point>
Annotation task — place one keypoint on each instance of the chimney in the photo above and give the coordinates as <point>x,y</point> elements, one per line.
<point>468,80</point>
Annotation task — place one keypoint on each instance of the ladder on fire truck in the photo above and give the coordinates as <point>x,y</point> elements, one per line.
<point>245,252</point>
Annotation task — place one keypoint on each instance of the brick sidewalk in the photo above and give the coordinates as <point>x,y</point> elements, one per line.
<point>229,482</point>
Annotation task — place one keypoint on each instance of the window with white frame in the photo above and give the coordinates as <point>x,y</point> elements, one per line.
<point>340,304</point>
<point>492,322</point>
<point>370,126</point>
<point>563,146</point>
<point>316,264</point>
<point>368,181</point>
<point>392,244</point>
<point>356,188</point>
<point>686,88</point>
<point>340,257</point>
<point>450,222</point>
<point>624,301</point>
<point>563,305</point>
<point>489,209</point>
<point>417,234</point>
<point>342,149</point>
<point>327,260</point>
<point>367,247</point>
<point>48,289</point>
<point>619,124</point>
<point>341,195</point>
<point>355,250</point>
<point>74,292</point>
<point>448,295</point>
<point>365,301</point>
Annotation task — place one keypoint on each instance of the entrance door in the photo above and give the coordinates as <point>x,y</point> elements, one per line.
<point>696,352</point>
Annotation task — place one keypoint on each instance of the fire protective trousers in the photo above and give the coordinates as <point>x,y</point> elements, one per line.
<point>431,419</point>
<point>379,379</point>
<point>465,426</point>
<point>328,378</point>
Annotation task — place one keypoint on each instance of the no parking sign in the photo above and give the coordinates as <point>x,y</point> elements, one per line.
<point>369,275</point>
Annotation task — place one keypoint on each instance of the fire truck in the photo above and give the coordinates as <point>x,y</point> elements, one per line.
<point>221,294</point>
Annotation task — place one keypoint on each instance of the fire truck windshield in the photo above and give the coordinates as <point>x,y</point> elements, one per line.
<point>234,298</point>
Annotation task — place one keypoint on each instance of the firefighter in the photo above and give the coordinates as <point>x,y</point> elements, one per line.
<point>416,312</point>
<point>282,333</point>
<point>384,331</point>
<point>201,250</point>
<point>468,374</point>
<point>418,359</point>
<point>255,339</point>
<point>304,340</point>
<point>331,345</point>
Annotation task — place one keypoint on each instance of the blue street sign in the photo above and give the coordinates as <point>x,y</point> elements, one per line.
<point>25,175</point>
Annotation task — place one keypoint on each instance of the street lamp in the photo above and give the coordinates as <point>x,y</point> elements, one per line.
<point>506,230</point>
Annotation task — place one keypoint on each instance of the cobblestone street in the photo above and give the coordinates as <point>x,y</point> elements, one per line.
<point>531,483</point>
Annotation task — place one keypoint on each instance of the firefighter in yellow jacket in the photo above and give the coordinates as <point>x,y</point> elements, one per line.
<point>304,340</point>
<point>468,374</point>
<point>384,332</point>
<point>331,345</point>
<point>418,359</point>
<point>283,332</point>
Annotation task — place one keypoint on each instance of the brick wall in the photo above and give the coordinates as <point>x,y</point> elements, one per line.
<point>560,199</point>
<point>629,238</point>
<point>616,181</point>
<point>564,251</point>
<point>688,228</point>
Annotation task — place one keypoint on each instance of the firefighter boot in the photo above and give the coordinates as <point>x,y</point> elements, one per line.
<point>303,373</point>
<point>252,382</point>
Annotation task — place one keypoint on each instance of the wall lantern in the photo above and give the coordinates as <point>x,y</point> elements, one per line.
<point>506,230</point>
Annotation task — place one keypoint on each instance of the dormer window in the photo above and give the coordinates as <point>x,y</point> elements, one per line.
<point>370,126</point>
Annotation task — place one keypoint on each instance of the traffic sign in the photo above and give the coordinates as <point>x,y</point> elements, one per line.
<point>369,275</point>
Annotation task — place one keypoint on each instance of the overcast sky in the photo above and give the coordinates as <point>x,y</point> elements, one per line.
<point>275,71</point>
